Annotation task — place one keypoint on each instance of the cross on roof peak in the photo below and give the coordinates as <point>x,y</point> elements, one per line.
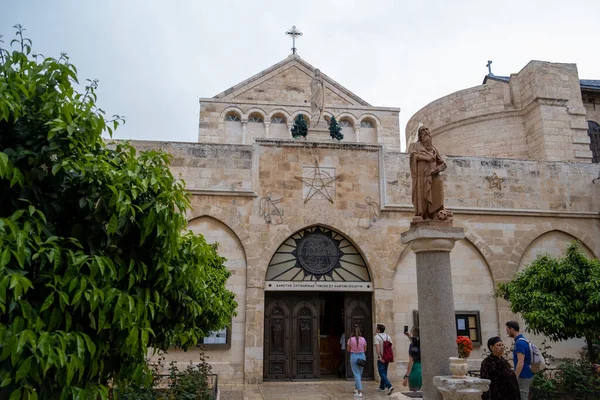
<point>293,33</point>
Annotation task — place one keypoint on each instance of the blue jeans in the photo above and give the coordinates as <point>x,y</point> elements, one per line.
<point>382,369</point>
<point>356,369</point>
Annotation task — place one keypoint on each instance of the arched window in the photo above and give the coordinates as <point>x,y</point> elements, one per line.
<point>255,117</point>
<point>594,133</point>
<point>232,117</point>
<point>366,123</point>
<point>346,123</point>
<point>278,119</point>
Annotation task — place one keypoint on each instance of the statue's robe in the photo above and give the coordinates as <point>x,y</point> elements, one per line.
<point>427,185</point>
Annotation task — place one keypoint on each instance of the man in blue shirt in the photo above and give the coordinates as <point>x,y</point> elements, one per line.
<point>521,358</point>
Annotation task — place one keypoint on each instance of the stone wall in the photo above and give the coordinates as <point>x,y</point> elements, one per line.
<point>500,224</point>
<point>538,114</point>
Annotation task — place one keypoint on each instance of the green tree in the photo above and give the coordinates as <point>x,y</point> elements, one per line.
<point>94,265</point>
<point>559,297</point>
<point>300,127</point>
<point>335,130</point>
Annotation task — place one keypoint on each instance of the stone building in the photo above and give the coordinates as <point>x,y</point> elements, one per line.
<point>311,227</point>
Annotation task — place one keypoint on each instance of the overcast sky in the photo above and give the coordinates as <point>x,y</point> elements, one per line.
<point>154,59</point>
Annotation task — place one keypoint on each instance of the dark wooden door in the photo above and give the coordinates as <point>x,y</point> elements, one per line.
<point>277,349</point>
<point>291,348</point>
<point>357,309</point>
<point>305,342</point>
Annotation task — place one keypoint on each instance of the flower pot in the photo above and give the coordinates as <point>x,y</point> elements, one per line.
<point>458,367</point>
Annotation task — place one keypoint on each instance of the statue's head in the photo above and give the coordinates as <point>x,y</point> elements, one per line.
<point>317,72</point>
<point>425,135</point>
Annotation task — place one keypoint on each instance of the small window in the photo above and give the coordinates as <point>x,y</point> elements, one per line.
<point>232,117</point>
<point>346,123</point>
<point>220,339</point>
<point>366,124</point>
<point>594,134</point>
<point>255,118</point>
<point>467,324</point>
<point>277,120</point>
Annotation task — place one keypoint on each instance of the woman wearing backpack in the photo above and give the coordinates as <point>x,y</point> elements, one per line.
<point>357,346</point>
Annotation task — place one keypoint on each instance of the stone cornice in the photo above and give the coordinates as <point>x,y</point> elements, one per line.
<point>317,144</point>
<point>521,212</point>
<point>295,105</point>
<point>222,192</point>
<point>543,101</point>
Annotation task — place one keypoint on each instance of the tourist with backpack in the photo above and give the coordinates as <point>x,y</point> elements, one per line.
<point>385,355</point>
<point>521,358</point>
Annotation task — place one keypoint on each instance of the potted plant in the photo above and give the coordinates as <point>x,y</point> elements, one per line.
<point>458,365</point>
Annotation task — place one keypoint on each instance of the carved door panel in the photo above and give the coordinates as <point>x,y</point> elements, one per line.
<point>357,309</point>
<point>277,349</point>
<point>305,339</point>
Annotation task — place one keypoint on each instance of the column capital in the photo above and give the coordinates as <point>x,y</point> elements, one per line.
<point>432,237</point>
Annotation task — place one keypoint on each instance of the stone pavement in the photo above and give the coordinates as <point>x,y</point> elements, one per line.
<point>320,390</point>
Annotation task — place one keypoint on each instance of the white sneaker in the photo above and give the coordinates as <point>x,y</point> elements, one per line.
<point>381,390</point>
<point>358,395</point>
<point>390,390</point>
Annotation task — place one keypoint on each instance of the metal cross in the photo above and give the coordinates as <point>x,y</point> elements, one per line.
<point>293,33</point>
<point>489,65</point>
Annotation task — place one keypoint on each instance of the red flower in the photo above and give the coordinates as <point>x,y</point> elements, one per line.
<point>465,346</point>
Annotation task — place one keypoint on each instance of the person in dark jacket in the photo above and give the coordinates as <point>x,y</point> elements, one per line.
<point>503,385</point>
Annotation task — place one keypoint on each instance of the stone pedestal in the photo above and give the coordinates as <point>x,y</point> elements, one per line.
<point>432,242</point>
<point>319,131</point>
<point>466,388</point>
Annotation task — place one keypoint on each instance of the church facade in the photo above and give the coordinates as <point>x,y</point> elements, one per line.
<point>311,227</point>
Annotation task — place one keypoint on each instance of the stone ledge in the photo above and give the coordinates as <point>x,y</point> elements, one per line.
<point>576,110</point>
<point>500,211</point>
<point>581,140</point>
<point>308,143</point>
<point>222,192</point>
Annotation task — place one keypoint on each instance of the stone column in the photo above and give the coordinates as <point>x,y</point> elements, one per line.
<point>244,130</point>
<point>267,125</point>
<point>432,243</point>
<point>357,131</point>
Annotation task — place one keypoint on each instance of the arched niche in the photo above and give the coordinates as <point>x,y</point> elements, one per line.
<point>553,243</point>
<point>472,285</point>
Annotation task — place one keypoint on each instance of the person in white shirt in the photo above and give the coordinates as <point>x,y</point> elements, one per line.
<point>382,367</point>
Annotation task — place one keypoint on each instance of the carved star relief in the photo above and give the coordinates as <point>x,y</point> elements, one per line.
<point>495,181</point>
<point>320,182</point>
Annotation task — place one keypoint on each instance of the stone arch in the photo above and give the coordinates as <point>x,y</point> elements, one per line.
<point>528,238</point>
<point>305,114</point>
<point>286,232</point>
<point>228,110</point>
<point>255,110</point>
<point>278,111</point>
<point>229,221</point>
<point>349,116</point>
<point>370,116</point>
<point>473,287</point>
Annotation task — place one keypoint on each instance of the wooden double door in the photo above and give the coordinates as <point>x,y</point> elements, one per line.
<point>297,326</point>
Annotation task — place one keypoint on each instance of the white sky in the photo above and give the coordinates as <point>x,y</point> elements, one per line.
<point>154,59</point>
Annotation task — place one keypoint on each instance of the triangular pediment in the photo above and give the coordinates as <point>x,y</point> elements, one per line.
<point>289,82</point>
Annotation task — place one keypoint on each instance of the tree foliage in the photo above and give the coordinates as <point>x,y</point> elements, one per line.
<point>94,268</point>
<point>335,130</point>
<point>558,297</point>
<point>300,127</point>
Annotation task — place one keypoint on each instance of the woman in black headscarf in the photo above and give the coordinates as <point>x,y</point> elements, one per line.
<point>504,385</point>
